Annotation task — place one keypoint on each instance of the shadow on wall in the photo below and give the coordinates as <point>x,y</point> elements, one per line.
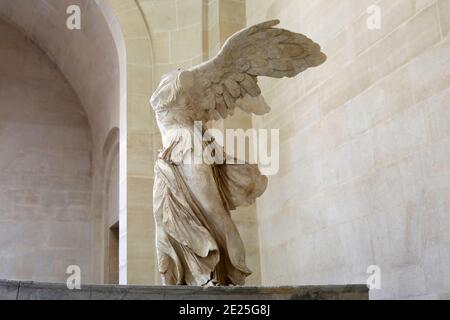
<point>110,205</point>
<point>46,223</point>
<point>53,133</point>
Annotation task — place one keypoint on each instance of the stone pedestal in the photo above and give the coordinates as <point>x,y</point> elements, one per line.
<point>14,290</point>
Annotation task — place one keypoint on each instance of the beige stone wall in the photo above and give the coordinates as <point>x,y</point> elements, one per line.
<point>176,31</point>
<point>365,149</point>
<point>137,145</point>
<point>93,62</point>
<point>46,222</point>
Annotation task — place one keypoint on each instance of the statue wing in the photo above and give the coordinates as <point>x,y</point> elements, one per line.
<point>229,80</point>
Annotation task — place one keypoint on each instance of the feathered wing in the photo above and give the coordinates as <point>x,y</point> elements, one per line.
<point>229,80</point>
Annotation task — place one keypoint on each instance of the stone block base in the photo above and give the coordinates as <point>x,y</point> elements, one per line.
<point>14,290</point>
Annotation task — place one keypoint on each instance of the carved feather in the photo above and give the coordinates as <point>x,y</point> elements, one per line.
<point>231,76</point>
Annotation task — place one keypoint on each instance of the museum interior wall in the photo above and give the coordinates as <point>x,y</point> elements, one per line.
<point>137,145</point>
<point>45,179</point>
<point>58,133</point>
<point>365,145</point>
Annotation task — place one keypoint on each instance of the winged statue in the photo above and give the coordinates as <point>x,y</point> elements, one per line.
<point>197,241</point>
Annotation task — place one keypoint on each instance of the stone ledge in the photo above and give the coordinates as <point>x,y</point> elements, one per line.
<point>20,290</point>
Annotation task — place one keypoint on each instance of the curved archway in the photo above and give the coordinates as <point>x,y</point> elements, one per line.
<point>45,167</point>
<point>93,61</point>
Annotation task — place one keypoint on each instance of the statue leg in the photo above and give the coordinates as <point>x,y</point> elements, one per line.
<point>232,268</point>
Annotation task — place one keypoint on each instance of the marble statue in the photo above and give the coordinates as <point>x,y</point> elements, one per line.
<point>197,242</point>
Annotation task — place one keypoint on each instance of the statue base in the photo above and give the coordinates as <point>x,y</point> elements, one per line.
<point>18,290</point>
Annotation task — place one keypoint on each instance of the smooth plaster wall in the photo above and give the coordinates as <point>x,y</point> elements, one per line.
<point>46,222</point>
<point>365,145</point>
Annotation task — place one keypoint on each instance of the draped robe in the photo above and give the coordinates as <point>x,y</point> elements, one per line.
<point>197,242</point>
